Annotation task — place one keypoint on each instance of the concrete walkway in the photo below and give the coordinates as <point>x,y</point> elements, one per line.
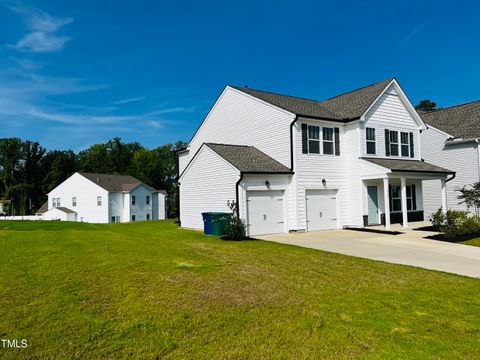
<point>409,248</point>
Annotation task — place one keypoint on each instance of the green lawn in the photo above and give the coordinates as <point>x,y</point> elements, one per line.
<point>473,242</point>
<point>150,290</point>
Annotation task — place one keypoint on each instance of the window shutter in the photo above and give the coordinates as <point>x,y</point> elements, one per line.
<point>387,142</point>
<point>414,198</point>
<point>411,145</point>
<point>337,141</point>
<point>304,139</point>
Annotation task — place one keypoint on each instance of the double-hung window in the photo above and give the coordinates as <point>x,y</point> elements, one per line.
<point>74,201</point>
<point>99,201</point>
<point>328,141</point>
<point>54,202</point>
<point>371,141</point>
<point>147,200</point>
<point>134,199</point>
<point>405,143</point>
<point>394,143</point>
<point>313,139</point>
<point>396,198</point>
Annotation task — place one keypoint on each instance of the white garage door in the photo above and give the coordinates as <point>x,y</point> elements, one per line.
<point>265,212</point>
<point>321,209</point>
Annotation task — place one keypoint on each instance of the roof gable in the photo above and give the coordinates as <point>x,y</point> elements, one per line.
<point>116,183</point>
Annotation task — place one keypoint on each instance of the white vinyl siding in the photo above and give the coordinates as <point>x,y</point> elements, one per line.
<point>461,158</point>
<point>238,118</point>
<point>389,112</point>
<point>207,185</point>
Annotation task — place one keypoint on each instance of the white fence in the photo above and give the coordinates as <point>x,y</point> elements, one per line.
<point>20,217</point>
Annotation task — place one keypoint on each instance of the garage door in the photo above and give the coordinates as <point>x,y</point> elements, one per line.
<point>265,212</point>
<point>321,209</point>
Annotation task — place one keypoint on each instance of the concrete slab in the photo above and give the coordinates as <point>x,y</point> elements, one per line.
<point>409,248</point>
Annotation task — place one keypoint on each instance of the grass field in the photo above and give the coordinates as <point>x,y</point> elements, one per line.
<point>150,290</point>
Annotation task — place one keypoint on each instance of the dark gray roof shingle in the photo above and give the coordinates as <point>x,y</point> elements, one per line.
<point>398,165</point>
<point>66,210</point>
<point>115,183</point>
<point>248,159</point>
<point>344,107</point>
<point>460,121</point>
<point>43,208</point>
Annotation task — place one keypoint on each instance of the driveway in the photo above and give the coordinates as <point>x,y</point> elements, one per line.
<point>409,248</point>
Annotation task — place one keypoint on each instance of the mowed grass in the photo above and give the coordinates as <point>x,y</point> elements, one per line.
<point>150,290</point>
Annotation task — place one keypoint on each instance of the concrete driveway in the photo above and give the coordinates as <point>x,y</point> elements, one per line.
<point>409,248</point>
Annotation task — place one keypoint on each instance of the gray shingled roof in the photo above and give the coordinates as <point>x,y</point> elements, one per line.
<point>344,107</point>
<point>398,165</point>
<point>66,210</point>
<point>460,121</point>
<point>116,183</point>
<point>248,159</point>
<point>43,208</point>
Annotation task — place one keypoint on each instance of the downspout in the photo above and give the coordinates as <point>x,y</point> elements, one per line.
<point>292,165</point>
<point>237,194</point>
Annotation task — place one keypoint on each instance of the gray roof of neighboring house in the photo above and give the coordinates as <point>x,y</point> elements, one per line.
<point>116,183</point>
<point>248,159</point>
<point>43,208</point>
<point>460,121</point>
<point>66,210</point>
<point>344,107</point>
<point>398,165</point>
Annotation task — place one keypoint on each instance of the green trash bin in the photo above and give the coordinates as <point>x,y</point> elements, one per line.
<point>220,222</point>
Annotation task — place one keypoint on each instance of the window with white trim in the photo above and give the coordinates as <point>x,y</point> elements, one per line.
<point>313,139</point>
<point>99,201</point>
<point>147,200</point>
<point>393,143</point>
<point>134,199</point>
<point>133,217</point>
<point>396,198</point>
<point>74,201</point>
<point>405,143</point>
<point>54,202</point>
<point>58,202</point>
<point>371,141</point>
<point>328,141</point>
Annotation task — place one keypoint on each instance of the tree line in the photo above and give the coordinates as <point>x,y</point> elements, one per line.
<point>28,171</point>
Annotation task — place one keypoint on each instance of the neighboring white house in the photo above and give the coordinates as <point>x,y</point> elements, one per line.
<point>295,164</point>
<point>103,198</point>
<point>452,141</point>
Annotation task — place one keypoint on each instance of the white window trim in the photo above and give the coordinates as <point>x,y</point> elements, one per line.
<point>74,201</point>
<point>328,141</point>
<point>404,144</point>
<point>99,201</point>
<point>367,141</point>
<point>321,140</point>
<point>400,198</point>
<point>394,143</point>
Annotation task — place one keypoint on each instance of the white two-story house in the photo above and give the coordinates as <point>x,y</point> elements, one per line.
<point>104,198</point>
<point>294,164</point>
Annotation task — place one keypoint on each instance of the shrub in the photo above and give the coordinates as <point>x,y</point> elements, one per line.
<point>457,223</point>
<point>236,228</point>
<point>438,219</point>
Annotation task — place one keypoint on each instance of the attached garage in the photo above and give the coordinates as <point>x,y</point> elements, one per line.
<point>321,209</point>
<point>265,212</point>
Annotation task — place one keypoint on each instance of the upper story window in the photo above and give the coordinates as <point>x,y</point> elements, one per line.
<point>134,199</point>
<point>313,139</point>
<point>320,140</point>
<point>399,143</point>
<point>371,141</point>
<point>99,201</point>
<point>328,142</point>
<point>147,200</point>
<point>394,143</point>
<point>54,202</point>
<point>74,201</point>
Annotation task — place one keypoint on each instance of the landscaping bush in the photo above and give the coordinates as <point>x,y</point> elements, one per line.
<point>456,223</point>
<point>236,228</point>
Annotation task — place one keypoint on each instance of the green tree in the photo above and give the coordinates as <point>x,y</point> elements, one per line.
<point>426,105</point>
<point>56,167</point>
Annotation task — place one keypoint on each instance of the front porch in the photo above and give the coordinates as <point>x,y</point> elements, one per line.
<point>396,196</point>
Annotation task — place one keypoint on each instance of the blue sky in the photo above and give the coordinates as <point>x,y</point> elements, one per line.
<point>78,72</point>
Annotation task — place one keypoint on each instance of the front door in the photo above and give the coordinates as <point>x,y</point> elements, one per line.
<point>372,205</point>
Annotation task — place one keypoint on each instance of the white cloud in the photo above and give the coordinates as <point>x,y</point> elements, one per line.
<point>129,100</point>
<point>43,28</point>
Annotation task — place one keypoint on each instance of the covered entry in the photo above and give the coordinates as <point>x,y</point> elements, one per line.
<point>321,209</point>
<point>265,212</point>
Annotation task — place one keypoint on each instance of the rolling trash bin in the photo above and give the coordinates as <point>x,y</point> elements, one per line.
<point>215,223</point>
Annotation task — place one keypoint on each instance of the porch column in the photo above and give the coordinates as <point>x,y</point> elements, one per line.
<point>386,202</point>
<point>403,183</point>
<point>444,196</point>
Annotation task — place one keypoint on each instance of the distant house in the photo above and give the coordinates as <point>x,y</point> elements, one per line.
<point>103,198</point>
<point>452,141</point>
